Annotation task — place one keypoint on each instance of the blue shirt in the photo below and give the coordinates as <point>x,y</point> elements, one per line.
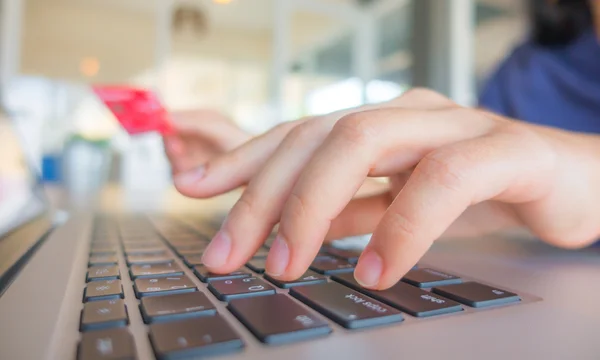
<point>557,87</point>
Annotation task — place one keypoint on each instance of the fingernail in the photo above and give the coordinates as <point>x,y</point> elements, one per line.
<point>369,269</point>
<point>191,177</point>
<point>279,257</point>
<point>217,251</point>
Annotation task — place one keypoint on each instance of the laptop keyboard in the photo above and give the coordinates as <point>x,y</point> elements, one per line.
<point>180,314</point>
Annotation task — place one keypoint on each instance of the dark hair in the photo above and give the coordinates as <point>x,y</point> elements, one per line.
<point>559,22</point>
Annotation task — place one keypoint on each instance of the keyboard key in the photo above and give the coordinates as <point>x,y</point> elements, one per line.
<point>405,297</point>
<point>193,260</point>
<point>103,290</point>
<point>205,276</point>
<point>476,294</point>
<point>189,246</point>
<point>113,344</point>
<point>194,250</point>
<point>103,272</point>
<point>163,286</point>
<point>103,314</point>
<point>309,278</point>
<point>277,319</point>
<point>329,265</point>
<point>197,337</point>
<point>149,259</point>
<point>151,250</point>
<point>135,246</point>
<point>226,290</point>
<point>426,278</point>
<point>103,248</point>
<point>350,256</point>
<point>348,308</point>
<point>155,270</point>
<point>176,306</point>
<point>103,259</point>
<point>257,265</point>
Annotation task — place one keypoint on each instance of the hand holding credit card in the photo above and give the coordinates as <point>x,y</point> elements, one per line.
<point>137,110</point>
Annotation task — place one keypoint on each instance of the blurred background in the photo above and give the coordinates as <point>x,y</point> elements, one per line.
<point>259,61</point>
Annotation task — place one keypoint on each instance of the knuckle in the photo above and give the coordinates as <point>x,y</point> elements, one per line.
<point>246,204</point>
<point>357,128</point>
<point>444,167</point>
<point>302,134</point>
<point>402,226</point>
<point>296,207</point>
<point>421,95</point>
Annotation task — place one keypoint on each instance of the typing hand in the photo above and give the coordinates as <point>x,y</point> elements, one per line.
<point>199,136</point>
<point>452,169</point>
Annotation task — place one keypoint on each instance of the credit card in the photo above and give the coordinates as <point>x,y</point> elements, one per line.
<point>137,110</point>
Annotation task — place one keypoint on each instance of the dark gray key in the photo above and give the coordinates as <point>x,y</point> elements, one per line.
<point>103,314</point>
<point>103,259</point>
<point>277,319</point>
<point>151,250</point>
<point>196,250</point>
<point>206,276</point>
<point>257,265</point>
<point>238,288</point>
<point>348,308</point>
<point>350,256</point>
<point>103,248</point>
<point>103,290</point>
<point>426,278</point>
<point>103,272</point>
<point>476,294</point>
<point>410,299</point>
<point>176,306</point>
<point>195,337</point>
<point>189,246</point>
<point>149,259</point>
<point>163,286</point>
<point>309,278</point>
<point>329,265</point>
<point>134,246</point>
<point>142,239</point>
<point>193,260</point>
<point>112,344</point>
<point>155,270</point>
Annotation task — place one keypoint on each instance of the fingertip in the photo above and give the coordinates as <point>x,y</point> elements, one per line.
<point>190,178</point>
<point>369,269</point>
<point>278,258</point>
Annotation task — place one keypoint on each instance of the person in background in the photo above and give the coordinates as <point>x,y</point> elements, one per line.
<point>553,78</point>
<point>531,161</point>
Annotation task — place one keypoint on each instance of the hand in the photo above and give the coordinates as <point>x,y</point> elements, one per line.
<point>200,136</point>
<point>453,170</point>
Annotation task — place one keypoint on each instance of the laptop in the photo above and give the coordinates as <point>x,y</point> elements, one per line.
<point>104,285</point>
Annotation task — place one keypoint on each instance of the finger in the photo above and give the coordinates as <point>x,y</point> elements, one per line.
<point>351,152</point>
<point>506,166</point>
<point>259,209</point>
<point>233,169</point>
<point>253,217</point>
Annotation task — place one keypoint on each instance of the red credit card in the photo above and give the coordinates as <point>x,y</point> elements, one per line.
<point>138,110</point>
